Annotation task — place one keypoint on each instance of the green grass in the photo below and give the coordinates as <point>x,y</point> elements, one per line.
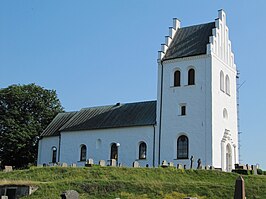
<point>110,182</point>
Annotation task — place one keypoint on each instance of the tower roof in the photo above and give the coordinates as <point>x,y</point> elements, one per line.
<point>190,41</point>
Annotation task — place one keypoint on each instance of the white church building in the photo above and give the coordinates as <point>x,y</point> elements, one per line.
<point>195,113</point>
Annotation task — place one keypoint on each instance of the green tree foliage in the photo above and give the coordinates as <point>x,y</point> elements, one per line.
<point>25,111</point>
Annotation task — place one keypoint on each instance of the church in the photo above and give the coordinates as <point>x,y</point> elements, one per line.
<point>195,113</point>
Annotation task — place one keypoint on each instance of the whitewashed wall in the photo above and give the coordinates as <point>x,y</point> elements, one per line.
<point>196,124</point>
<point>45,149</point>
<point>99,142</point>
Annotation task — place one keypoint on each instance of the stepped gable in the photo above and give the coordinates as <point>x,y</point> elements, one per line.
<point>209,38</point>
<point>113,116</point>
<point>60,119</point>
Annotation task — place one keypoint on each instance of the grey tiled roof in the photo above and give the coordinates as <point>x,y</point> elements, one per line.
<point>60,119</point>
<point>113,116</point>
<point>190,41</point>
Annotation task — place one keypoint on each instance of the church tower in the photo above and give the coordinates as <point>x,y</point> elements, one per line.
<point>196,106</point>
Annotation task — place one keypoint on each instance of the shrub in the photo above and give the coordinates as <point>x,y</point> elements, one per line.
<point>243,171</point>
<point>259,171</point>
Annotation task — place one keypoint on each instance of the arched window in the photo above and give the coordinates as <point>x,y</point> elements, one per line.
<point>182,147</point>
<point>54,154</point>
<point>191,76</point>
<point>142,150</point>
<point>177,78</point>
<point>227,85</point>
<point>221,81</point>
<point>114,151</point>
<point>83,152</point>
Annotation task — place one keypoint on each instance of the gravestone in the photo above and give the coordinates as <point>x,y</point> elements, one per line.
<point>102,163</point>
<point>179,166</point>
<point>73,165</point>
<point>70,194</point>
<point>241,166</point>
<point>135,164</point>
<point>89,163</point>
<point>189,198</point>
<point>207,167</point>
<point>164,163</point>
<point>113,163</point>
<point>8,168</point>
<point>4,197</point>
<point>64,164</point>
<point>255,169</point>
<point>201,167</point>
<point>171,164</point>
<point>191,161</point>
<point>199,164</point>
<point>239,188</point>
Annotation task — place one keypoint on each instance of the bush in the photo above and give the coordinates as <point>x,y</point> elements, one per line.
<point>264,172</point>
<point>243,171</point>
<point>259,171</point>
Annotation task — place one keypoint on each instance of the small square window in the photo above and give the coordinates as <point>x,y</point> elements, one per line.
<point>183,110</point>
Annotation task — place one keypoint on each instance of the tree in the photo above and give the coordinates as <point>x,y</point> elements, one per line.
<point>25,111</point>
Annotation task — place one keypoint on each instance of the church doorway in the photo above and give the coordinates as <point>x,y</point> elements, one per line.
<point>114,151</point>
<point>228,158</point>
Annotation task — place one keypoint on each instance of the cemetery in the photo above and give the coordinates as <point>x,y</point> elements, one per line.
<point>108,179</point>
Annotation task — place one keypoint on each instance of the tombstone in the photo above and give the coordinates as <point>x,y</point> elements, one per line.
<point>201,167</point>
<point>255,169</point>
<point>207,167</point>
<point>70,194</point>
<point>8,168</point>
<point>64,164</point>
<point>89,163</point>
<point>164,164</point>
<point>239,188</point>
<point>171,164</point>
<point>199,164</point>
<point>189,198</point>
<point>113,163</point>
<point>241,166</point>
<point>135,164</point>
<point>191,161</point>
<point>4,197</point>
<point>73,165</point>
<point>102,163</point>
<point>179,166</point>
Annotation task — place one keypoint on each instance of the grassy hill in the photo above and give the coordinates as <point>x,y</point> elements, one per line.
<point>110,182</point>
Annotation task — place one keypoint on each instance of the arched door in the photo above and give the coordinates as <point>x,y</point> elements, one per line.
<point>228,158</point>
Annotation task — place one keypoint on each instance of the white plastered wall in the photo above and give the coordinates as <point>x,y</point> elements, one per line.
<point>224,128</point>
<point>45,149</point>
<point>99,142</point>
<point>196,124</point>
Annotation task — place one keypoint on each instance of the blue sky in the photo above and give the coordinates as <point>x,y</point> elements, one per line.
<point>102,52</point>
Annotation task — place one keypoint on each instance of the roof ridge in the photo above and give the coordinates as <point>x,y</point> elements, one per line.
<point>111,105</point>
<point>190,26</point>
